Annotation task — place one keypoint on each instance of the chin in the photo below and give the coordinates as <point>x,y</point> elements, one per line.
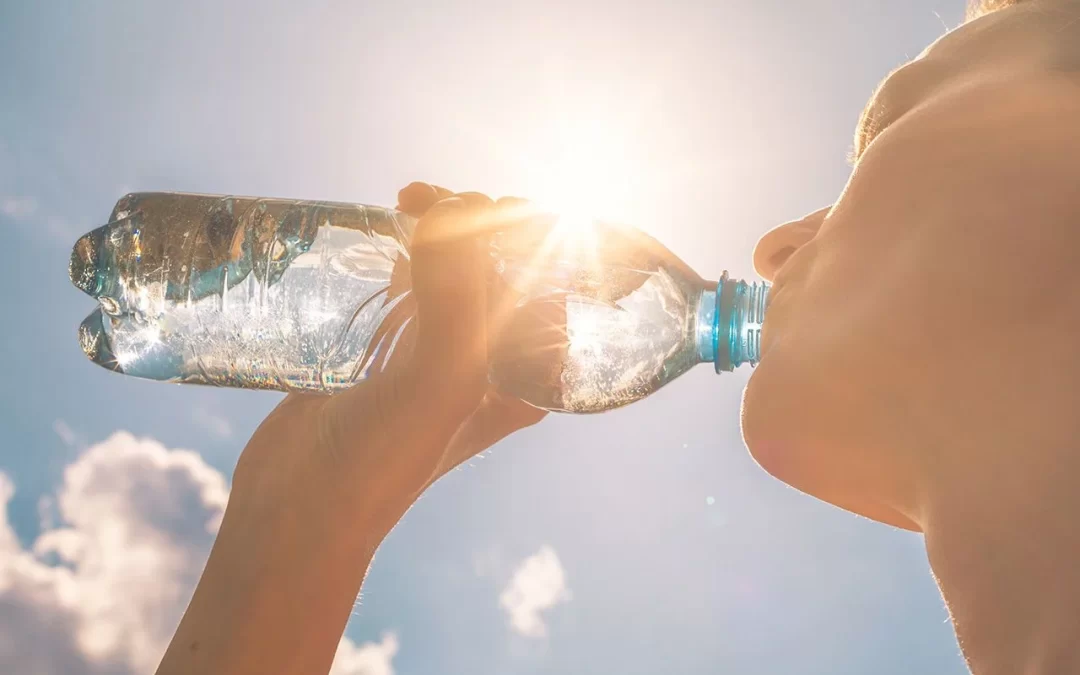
<point>811,436</point>
<point>773,424</point>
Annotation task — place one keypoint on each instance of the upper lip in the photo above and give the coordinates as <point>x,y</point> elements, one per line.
<point>781,280</point>
<point>774,290</point>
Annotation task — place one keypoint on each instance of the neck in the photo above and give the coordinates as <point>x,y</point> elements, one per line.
<point>1012,588</point>
<point>1002,535</point>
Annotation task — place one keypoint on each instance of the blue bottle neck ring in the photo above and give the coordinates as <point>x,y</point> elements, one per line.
<point>728,330</point>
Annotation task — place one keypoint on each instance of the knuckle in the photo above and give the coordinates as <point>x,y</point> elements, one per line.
<point>414,192</point>
<point>456,216</point>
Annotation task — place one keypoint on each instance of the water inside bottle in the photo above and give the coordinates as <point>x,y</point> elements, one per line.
<point>270,294</point>
<point>291,295</point>
<point>607,316</point>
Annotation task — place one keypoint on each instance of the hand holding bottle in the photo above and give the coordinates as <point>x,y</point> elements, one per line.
<point>325,478</point>
<point>376,446</point>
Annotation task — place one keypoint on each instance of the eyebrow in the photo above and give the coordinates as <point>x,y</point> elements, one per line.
<point>898,92</point>
<point>865,130</point>
<point>904,89</point>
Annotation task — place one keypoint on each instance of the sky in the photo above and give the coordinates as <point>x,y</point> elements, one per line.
<point>638,541</point>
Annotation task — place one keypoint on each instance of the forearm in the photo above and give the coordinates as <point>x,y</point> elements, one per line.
<point>276,593</point>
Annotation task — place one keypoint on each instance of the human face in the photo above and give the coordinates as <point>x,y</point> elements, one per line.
<point>901,316</point>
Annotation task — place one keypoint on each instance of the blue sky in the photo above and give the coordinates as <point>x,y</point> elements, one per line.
<point>646,540</point>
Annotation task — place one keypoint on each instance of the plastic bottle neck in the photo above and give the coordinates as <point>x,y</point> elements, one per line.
<point>728,330</point>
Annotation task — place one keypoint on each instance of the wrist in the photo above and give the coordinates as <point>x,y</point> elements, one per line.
<point>328,515</point>
<point>300,473</point>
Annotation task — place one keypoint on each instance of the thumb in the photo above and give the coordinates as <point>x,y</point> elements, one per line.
<point>450,272</point>
<point>425,399</point>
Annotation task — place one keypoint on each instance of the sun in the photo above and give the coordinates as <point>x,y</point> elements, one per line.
<point>586,174</point>
<point>583,175</point>
<point>581,166</point>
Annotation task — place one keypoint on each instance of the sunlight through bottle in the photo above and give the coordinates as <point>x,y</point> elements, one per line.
<point>315,296</point>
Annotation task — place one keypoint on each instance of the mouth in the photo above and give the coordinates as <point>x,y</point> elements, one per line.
<point>770,318</point>
<point>794,267</point>
<point>774,292</point>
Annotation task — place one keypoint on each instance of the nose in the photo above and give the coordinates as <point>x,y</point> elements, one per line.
<point>779,243</point>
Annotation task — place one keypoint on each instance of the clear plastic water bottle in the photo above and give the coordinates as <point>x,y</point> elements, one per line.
<point>314,296</point>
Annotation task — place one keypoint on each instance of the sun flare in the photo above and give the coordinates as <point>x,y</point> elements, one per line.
<point>580,169</point>
<point>586,175</point>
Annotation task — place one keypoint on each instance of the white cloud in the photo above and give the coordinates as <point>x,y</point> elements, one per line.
<point>488,562</point>
<point>370,658</point>
<point>66,434</point>
<point>538,584</point>
<point>60,229</point>
<point>101,592</point>
<point>212,422</point>
<point>137,521</point>
<point>46,512</point>
<point>26,209</point>
<point>17,207</point>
